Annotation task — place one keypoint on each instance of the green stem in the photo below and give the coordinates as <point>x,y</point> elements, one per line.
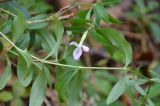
<point>59,64</point>
<point>28,21</point>
<point>6,11</point>
<point>83,37</point>
<point>85,33</point>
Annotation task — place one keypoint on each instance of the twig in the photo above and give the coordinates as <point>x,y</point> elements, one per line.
<point>29,21</point>
<point>59,64</point>
<point>66,16</point>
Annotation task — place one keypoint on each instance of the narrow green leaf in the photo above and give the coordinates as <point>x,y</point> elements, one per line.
<point>76,86</point>
<point>47,40</point>
<point>113,20</point>
<point>155,79</point>
<point>88,15</point>
<point>117,90</point>
<point>59,30</point>
<point>32,40</point>
<point>139,89</point>
<point>149,102</point>
<point>69,84</point>
<point>27,57</point>
<point>100,38</point>
<point>116,40</point>
<point>138,81</point>
<point>100,12</point>
<point>38,90</point>
<point>48,75</point>
<point>119,41</point>
<point>23,68</point>
<point>23,41</point>
<point>18,25</point>
<point>6,76</point>
<point>6,27</point>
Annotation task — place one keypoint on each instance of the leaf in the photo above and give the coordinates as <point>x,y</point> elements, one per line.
<point>69,84</point>
<point>32,40</point>
<point>113,20</point>
<point>23,41</point>
<point>6,27</point>
<point>38,90</point>
<point>23,68</point>
<point>100,38</point>
<point>114,39</point>
<point>100,12</point>
<point>6,76</point>
<point>37,25</point>
<point>117,90</point>
<point>155,80</point>
<point>76,86</point>
<point>88,15</point>
<point>48,75</point>
<point>47,40</point>
<point>59,30</point>
<point>138,81</point>
<point>139,89</point>
<point>18,25</point>
<point>149,102</point>
<point>27,57</point>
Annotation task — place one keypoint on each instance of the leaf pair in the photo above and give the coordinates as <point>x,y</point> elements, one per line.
<point>19,25</point>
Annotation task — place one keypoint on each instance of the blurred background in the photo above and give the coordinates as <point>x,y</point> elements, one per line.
<point>141,27</point>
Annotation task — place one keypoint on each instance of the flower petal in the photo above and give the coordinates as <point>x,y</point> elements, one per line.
<point>77,53</point>
<point>74,43</point>
<point>85,48</point>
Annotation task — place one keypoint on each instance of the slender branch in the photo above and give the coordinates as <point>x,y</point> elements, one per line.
<point>59,64</point>
<point>81,67</point>
<point>70,66</point>
<point>6,11</point>
<point>29,21</point>
<point>42,20</point>
<point>65,65</point>
<point>67,9</point>
<point>62,11</point>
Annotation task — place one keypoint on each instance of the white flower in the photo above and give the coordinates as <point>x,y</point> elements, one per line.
<point>78,51</point>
